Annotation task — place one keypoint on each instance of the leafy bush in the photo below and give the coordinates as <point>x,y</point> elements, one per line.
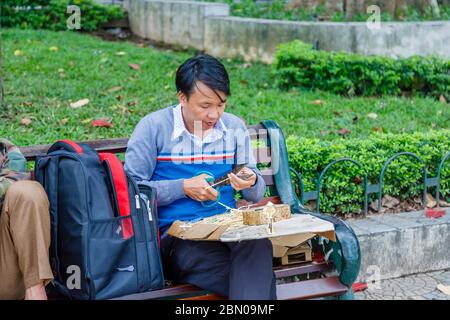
<point>298,65</point>
<point>52,14</point>
<point>343,187</point>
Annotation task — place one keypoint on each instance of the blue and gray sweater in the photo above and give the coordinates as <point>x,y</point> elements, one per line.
<point>161,153</point>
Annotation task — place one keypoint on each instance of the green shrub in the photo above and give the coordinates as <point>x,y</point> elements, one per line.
<point>343,188</point>
<point>298,65</point>
<point>52,14</point>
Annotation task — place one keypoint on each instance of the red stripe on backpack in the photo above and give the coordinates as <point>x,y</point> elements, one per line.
<point>121,187</point>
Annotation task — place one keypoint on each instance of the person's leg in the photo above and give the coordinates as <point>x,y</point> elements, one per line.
<point>24,242</point>
<point>251,273</point>
<point>204,264</point>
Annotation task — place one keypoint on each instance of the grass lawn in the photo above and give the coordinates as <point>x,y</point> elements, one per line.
<point>45,71</point>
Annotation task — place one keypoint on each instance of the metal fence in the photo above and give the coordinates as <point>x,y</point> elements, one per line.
<point>428,182</point>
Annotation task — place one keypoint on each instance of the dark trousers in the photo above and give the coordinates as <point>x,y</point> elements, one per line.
<point>238,270</point>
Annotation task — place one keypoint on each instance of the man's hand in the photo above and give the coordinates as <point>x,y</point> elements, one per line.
<point>240,184</point>
<point>195,188</point>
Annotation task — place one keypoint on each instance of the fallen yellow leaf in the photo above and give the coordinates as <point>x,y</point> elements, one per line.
<point>53,49</point>
<point>79,103</point>
<point>444,289</point>
<point>372,115</point>
<point>18,53</point>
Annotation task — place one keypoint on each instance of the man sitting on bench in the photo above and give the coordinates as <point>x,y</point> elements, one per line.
<point>175,150</point>
<point>24,230</point>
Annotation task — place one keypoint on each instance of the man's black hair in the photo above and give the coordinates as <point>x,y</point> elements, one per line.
<point>203,68</point>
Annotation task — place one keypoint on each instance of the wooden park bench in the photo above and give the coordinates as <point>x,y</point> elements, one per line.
<point>331,277</point>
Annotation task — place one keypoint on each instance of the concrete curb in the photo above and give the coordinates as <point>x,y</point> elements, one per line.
<point>394,245</point>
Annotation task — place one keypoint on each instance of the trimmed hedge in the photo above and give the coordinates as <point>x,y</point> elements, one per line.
<point>52,14</point>
<point>298,65</point>
<point>343,188</point>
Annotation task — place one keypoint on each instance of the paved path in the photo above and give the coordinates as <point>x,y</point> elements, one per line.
<point>415,287</point>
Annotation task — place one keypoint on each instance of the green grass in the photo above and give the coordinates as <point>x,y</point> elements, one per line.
<point>35,89</point>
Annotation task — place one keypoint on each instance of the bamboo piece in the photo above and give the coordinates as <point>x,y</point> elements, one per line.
<point>266,215</point>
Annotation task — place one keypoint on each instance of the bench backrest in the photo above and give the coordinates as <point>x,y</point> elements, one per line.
<point>261,142</point>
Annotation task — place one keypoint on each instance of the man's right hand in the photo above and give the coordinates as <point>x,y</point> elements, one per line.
<point>194,188</point>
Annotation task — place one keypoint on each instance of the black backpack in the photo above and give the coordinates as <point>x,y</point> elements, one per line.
<point>104,234</point>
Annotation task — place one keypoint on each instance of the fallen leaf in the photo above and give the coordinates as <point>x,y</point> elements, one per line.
<point>60,70</point>
<point>114,89</point>
<point>442,203</point>
<point>131,103</point>
<point>27,103</point>
<point>430,201</point>
<point>359,286</point>
<point>123,110</point>
<point>357,180</point>
<point>433,213</point>
<point>53,49</point>
<point>372,115</point>
<point>120,53</point>
<point>134,66</point>
<point>343,131</point>
<point>378,129</point>
<point>389,202</point>
<point>79,103</point>
<point>64,121</point>
<point>25,122</point>
<point>444,289</point>
<point>104,122</point>
<point>119,97</point>
<point>18,53</point>
<point>442,99</point>
<point>86,120</point>
<point>316,102</point>
<point>167,87</point>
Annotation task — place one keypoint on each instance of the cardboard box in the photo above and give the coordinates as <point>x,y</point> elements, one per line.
<point>301,253</point>
<point>286,233</point>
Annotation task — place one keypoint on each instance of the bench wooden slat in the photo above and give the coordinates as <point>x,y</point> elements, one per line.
<point>307,289</point>
<point>298,269</point>
<point>107,145</point>
<point>262,155</point>
<point>310,289</point>
<point>170,292</point>
<point>267,175</point>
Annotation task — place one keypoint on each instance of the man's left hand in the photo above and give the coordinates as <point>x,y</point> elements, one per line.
<point>239,184</point>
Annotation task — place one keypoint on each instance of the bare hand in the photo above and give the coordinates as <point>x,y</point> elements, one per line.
<point>241,184</point>
<point>195,188</point>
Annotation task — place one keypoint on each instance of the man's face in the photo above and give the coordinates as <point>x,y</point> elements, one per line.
<point>204,106</point>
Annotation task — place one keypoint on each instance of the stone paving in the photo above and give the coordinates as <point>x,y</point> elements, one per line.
<point>414,287</point>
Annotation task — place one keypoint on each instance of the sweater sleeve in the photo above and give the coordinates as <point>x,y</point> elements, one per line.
<point>244,155</point>
<point>140,162</point>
